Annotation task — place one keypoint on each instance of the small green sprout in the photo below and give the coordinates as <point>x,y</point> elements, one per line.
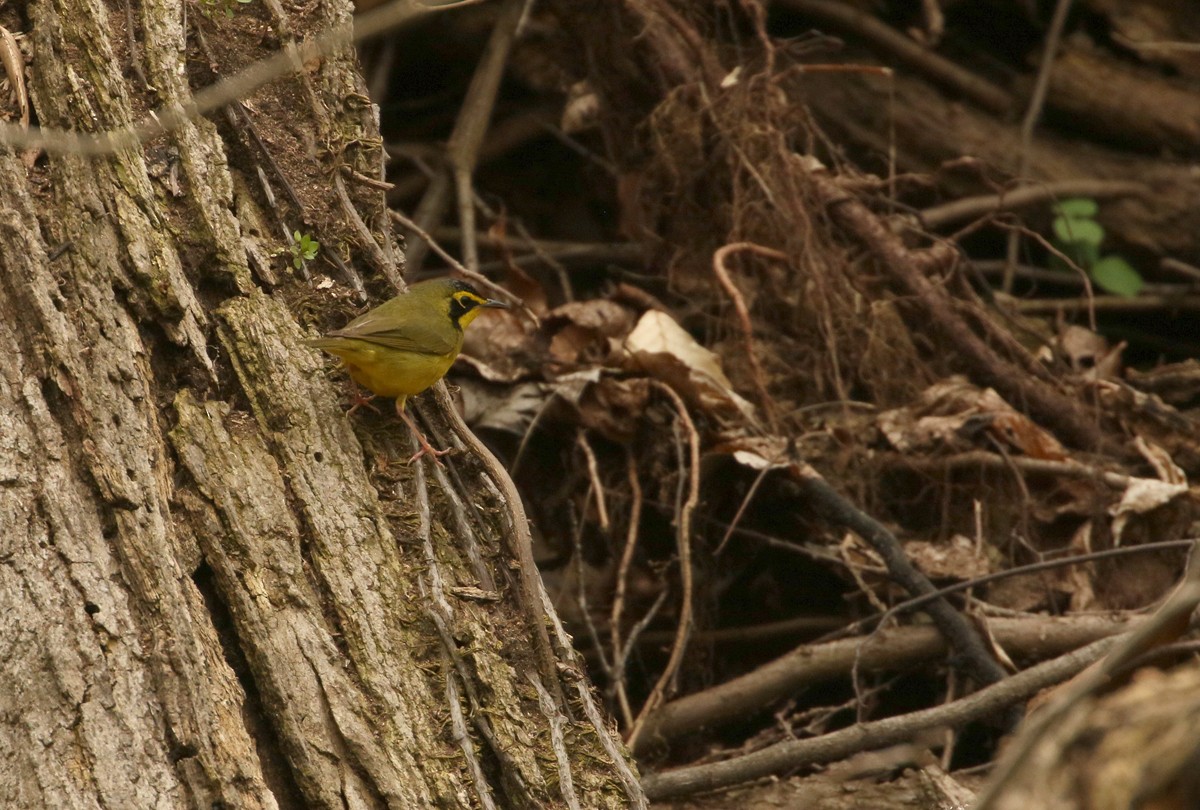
<point>304,249</point>
<point>1078,235</point>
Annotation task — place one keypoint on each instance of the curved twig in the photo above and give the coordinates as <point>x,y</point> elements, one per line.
<point>618,606</point>
<point>683,539</point>
<point>739,304</point>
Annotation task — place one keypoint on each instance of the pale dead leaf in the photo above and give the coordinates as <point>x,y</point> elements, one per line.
<point>1147,494</point>
<point>1077,579</point>
<point>508,408</point>
<point>1089,352</point>
<point>661,348</point>
<point>859,558</point>
<point>1109,366</point>
<point>582,109</point>
<point>989,638</point>
<point>809,163</point>
<point>1161,461</point>
<point>756,462</point>
<point>571,386</point>
<point>1081,347</point>
<point>958,558</point>
<point>1141,496</point>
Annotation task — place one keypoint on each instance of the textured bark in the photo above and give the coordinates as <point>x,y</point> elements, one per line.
<point>203,598</point>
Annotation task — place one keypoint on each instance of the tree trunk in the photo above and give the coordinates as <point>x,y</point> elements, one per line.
<point>207,598</point>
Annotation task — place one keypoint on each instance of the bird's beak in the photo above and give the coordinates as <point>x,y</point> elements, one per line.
<point>492,303</point>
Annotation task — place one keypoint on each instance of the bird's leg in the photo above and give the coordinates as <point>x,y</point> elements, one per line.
<point>360,399</point>
<point>427,449</point>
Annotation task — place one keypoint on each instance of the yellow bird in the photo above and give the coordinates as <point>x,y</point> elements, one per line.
<point>406,344</point>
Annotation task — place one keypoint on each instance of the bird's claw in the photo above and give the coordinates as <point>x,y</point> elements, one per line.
<point>361,400</point>
<point>428,449</point>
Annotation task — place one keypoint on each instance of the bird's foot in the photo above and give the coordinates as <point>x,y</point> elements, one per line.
<point>360,399</point>
<point>428,449</point>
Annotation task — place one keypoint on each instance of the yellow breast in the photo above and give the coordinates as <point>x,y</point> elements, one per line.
<point>389,372</point>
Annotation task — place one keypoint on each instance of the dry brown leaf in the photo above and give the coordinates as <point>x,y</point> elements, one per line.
<point>661,348</point>
<point>1085,351</point>
<point>1161,461</point>
<point>581,110</point>
<point>1017,431</point>
<point>498,346</point>
<point>613,408</point>
<point>861,562</point>
<point>1081,347</point>
<point>989,638</point>
<point>1144,495</point>
<point>1151,416</point>
<point>1026,593</point>
<point>1141,496</point>
<point>1073,497</point>
<point>759,453</point>
<point>585,332</point>
<point>524,286</point>
<point>952,414</point>
<point>510,408</point>
<point>600,315</point>
<point>958,558</point>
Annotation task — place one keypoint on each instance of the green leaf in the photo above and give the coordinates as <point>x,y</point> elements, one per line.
<point>1117,276</point>
<point>1084,254</point>
<point>1076,208</point>
<point>1074,231</point>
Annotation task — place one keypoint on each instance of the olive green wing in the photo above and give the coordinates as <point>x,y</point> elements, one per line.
<point>386,327</point>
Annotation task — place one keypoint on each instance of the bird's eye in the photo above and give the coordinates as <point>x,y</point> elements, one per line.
<point>461,303</point>
<point>466,301</point>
